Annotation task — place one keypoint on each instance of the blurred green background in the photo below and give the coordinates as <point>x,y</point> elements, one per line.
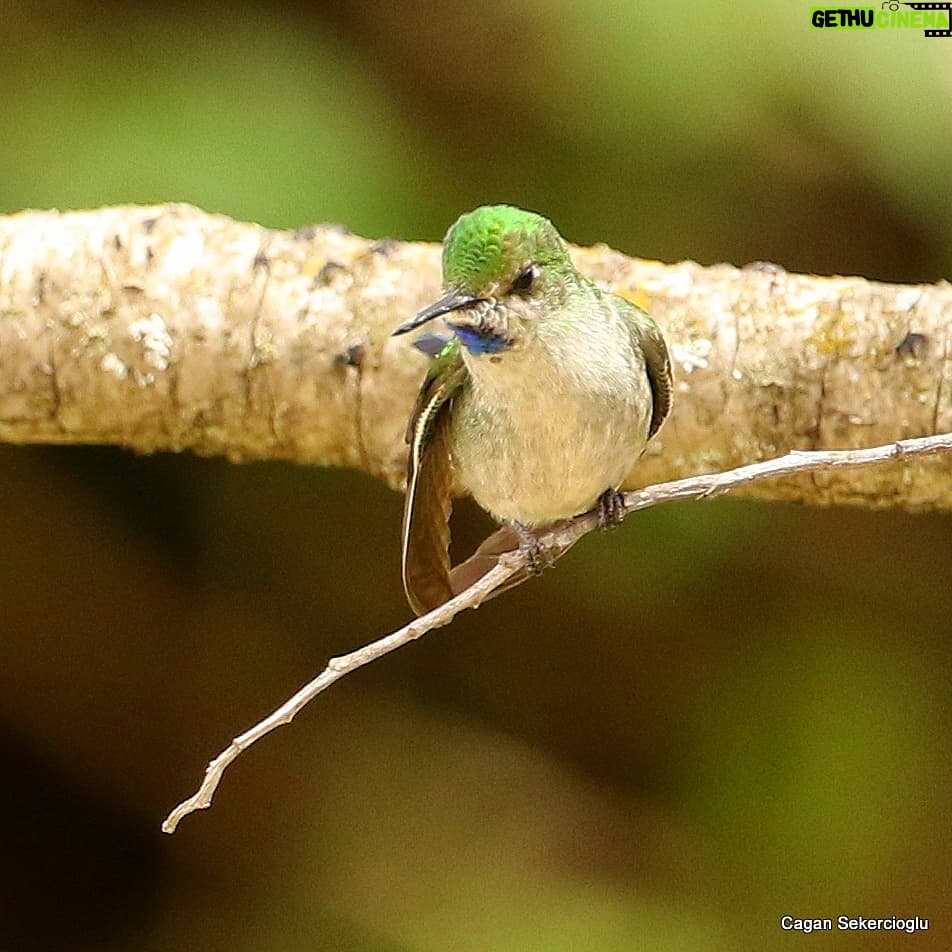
<point>719,714</point>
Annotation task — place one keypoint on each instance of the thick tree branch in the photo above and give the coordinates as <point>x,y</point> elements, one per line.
<point>167,329</point>
<point>511,568</point>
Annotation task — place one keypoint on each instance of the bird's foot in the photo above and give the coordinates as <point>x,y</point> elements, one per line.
<point>611,509</point>
<point>537,556</point>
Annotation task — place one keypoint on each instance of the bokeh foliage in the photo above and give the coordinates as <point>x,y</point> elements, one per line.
<point>716,715</point>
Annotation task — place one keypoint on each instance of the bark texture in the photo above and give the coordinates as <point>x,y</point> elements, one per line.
<point>165,328</point>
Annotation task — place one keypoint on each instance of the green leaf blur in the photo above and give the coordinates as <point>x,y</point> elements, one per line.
<point>717,715</point>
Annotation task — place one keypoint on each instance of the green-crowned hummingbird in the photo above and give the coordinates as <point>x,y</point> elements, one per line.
<point>540,402</point>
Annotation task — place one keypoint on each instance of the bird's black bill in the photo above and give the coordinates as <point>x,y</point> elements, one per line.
<point>454,301</point>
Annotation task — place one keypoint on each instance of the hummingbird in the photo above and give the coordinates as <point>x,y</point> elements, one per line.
<point>539,400</point>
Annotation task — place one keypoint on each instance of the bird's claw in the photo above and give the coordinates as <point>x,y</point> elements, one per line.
<point>531,548</point>
<point>611,509</point>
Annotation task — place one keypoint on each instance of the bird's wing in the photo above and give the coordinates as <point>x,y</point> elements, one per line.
<point>647,335</point>
<point>426,513</point>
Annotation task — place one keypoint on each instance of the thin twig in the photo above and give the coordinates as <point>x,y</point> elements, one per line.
<point>557,541</point>
<point>337,668</point>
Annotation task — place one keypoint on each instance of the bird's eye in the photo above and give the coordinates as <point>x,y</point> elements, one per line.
<point>523,281</point>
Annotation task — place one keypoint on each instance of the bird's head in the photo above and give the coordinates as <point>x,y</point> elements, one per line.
<point>503,269</point>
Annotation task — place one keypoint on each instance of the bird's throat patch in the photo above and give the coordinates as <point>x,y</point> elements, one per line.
<point>479,342</point>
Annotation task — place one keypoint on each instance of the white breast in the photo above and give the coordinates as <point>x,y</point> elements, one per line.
<point>542,432</point>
